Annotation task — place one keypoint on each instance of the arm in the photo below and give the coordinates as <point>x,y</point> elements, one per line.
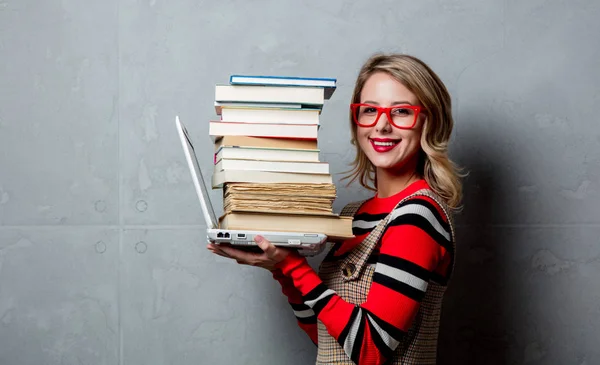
<point>305,316</point>
<point>412,252</point>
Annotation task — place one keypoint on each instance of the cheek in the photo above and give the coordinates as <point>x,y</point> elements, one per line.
<point>414,144</point>
<point>363,141</point>
<point>413,135</point>
<point>362,135</point>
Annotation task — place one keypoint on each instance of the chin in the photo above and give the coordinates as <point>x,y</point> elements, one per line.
<point>393,163</point>
<point>385,164</point>
<point>389,167</point>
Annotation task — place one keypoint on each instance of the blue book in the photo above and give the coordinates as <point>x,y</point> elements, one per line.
<point>329,84</point>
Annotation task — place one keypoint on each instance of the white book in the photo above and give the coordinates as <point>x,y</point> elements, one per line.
<point>328,83</point>
<point>274,166</point>
<point>269,94</point>
<point>299,131</point>
<point>260,153</point>
<point>220,105</point>
<point>282,80</point>
<point>270,115</point>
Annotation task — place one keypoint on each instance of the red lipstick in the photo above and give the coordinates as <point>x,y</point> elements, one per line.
<point>382,145</point>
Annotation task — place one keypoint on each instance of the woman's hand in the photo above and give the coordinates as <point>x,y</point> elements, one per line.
<point>270,256</point>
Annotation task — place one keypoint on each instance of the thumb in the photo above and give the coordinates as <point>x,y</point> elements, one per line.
<point>265,245</point>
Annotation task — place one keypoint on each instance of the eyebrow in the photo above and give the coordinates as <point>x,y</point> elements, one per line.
<point>394,103</point>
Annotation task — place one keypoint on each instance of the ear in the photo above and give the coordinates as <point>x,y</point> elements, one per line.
<point>423,117</point>
<point>424,131</point>
<point>423,122</point>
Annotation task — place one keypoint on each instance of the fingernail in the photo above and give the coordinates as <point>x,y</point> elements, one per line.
<point>258,239</point>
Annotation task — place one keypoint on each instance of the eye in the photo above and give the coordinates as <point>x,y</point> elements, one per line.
<point>368,110</point>
<point>402,111</point>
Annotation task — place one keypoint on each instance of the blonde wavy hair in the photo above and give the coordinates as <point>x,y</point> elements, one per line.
<point>442,175</point>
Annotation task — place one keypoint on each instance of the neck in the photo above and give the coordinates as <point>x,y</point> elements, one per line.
<point>391,182</point>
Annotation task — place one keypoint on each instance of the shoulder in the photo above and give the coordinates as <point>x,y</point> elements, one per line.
<point>425,203</point>
<point>425,212</point>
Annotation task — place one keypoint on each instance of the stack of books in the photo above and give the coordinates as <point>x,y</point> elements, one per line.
<point>266,156</point>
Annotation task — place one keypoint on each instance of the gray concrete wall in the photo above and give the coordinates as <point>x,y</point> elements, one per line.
<point>102,257</point>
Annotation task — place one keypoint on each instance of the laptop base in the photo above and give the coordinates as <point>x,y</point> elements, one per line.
<point>307,244</point>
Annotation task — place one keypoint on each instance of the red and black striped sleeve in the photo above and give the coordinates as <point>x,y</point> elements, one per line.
<point>415,249</point>
<point>305,316</point>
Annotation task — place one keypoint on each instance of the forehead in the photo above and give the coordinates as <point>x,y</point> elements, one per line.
<point>384,88</point>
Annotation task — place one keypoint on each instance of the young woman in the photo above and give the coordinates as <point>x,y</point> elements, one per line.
<point>377,297</point>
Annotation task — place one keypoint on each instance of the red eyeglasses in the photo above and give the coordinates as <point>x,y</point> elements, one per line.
<point>400,116</point>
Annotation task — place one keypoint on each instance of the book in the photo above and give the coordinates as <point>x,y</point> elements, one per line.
<point>280,198</point>
<point>326,190</point>
<point>266,142</point>
<point>336,227</point>
<point>277,204</point>
<point>219,178</point>
<point>220,105</point>
<point>329,84</point>
<point>269,94</point>
<point>266,153</point>
<point>269,115</point>
<point>274,166</point>
<point>294,131</point>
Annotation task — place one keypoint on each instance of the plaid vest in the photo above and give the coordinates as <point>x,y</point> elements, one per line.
<point>351,279</point>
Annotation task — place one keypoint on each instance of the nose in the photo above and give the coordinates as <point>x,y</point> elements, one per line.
<point>383,124</point>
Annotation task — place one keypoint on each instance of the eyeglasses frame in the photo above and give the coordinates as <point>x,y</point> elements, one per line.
<point>381,110</point>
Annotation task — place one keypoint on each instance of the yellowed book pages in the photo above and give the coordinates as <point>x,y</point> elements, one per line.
<point>247,141</point>
<point>223,177</point>
<point>278,197</point>
<point>277,205</point>
<point>305,190</point>
<point>274,199</point>
<point>335,227</point>
<point>282,209</point>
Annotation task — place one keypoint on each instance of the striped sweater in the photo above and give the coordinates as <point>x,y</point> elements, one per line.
<point>414,249</point>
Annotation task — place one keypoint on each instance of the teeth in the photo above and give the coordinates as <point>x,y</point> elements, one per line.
<point>385,144</point>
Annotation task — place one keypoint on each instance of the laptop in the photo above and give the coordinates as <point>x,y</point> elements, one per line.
<point>307,243</point>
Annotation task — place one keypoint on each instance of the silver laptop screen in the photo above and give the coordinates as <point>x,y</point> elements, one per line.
<point>198,179</point>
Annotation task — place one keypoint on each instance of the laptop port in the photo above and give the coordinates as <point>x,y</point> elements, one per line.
<point>241,235</point>
<point>220,235</point>
<point>226,235</point>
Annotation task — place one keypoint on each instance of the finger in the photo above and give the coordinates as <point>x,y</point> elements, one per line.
<point>219,252</point>
<point>265,245</point>
<point>239,254</point>
<point>215,247</point>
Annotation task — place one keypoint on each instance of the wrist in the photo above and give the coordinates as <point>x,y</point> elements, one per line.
<point>296,268</point>
<point>293,259</point>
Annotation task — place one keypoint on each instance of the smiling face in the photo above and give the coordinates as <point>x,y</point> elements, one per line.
<point>386,146</point>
